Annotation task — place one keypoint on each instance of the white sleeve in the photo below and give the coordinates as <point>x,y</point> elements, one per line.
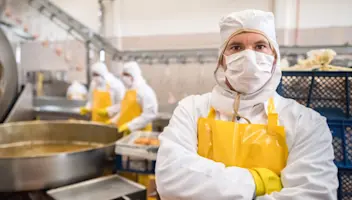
<point>119,91</point>
<point>90,96</point>
<point>149,105</point>
<point>114,109</point>
<point>181,174</point>
<point>115,118</point>
<point>310,172</point>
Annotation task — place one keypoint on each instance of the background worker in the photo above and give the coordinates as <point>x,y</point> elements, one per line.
<point>105,90</point>
<point>139,106</point>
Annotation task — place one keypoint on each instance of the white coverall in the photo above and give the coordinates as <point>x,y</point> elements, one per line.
<point>145,97</point>
<point>310,174</point>
<point>108,81</point>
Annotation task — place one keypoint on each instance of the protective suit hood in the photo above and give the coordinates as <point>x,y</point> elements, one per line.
<point>132,68</point>
<point>100,68</point>
<point>105,81</point>
<point>237,22</point>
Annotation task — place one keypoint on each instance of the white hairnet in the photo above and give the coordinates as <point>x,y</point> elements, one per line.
<point>100,68</point>
<point>251,21</point>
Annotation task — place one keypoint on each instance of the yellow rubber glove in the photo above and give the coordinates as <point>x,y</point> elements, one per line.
<point>266,181</point>
<point>84,111</point>
<point>124,129</point>
<point>108,122</point>
<point>103,112</point>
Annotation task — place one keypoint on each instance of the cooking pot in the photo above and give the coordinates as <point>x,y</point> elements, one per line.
<point>35,170</point>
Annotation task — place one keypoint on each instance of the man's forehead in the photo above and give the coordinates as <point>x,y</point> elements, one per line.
<point>248,37</point>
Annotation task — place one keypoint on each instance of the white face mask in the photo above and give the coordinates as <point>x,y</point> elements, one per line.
<point>98,79</point>
<point>248,71</point>
<point>127,81</point>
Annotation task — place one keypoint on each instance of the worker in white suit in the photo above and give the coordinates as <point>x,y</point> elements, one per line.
<point>139,106</point>
<point>243,141</point>
<point>105,91</point>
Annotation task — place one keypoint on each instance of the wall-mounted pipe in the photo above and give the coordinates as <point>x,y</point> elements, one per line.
<point>3,4</point>
<point>298,9</point>
<point>272,5</point>
<point>101,15</point>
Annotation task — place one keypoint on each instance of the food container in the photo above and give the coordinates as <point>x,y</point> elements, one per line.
<point>127,146</point>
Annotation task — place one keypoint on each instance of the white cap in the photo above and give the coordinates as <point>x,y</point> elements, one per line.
<point>251,21</point>
<point>100,68</point>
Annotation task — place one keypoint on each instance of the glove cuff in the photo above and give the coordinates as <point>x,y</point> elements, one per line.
<point>271,181</point>
<point>259,185</point>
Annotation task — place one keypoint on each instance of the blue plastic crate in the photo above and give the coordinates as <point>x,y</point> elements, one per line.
<point>345,184</point>
<point>327,92</point>
<point>135,165</point>
<point>342,141</point>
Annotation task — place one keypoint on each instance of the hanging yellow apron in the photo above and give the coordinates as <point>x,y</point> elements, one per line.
<point>131,109</point>
<point>101,100</point>
<point>244,145</point>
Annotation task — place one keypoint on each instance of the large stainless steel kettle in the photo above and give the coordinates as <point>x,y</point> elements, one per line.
<point>8,75</point>
<point>39,171</point>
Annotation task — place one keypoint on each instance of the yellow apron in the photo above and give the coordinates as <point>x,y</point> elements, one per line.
<point>244,145</point>
<point>101,100</point>
<point>131,109</point>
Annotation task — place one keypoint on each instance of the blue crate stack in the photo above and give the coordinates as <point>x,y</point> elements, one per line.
<point>330,94</point>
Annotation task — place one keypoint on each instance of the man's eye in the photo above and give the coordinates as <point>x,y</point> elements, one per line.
<point>260,47</point>
<point>235,48</point>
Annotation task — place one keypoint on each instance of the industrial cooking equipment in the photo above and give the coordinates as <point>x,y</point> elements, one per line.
<point>8,76</point>
<point>47,154</point>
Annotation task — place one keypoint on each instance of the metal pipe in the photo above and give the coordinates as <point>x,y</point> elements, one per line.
<point>87,44</point>
<point>213,53</point>
<point>3,5</point>
<point>272,5</point>
<point>47,7</point>
<point>298,4</point>
<point>101,15</point>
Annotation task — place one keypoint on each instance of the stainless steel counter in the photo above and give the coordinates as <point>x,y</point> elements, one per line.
<point>51,108</point>
<point>104,188</point>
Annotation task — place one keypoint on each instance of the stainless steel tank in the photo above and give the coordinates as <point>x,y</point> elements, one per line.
<point>38,171</point>
<point>8,75</point>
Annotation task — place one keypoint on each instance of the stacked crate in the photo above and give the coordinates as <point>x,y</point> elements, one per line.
<point>330,94</point>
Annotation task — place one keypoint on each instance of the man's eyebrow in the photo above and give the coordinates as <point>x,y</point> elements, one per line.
<point>261,42</point>
<point>235,43</point>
